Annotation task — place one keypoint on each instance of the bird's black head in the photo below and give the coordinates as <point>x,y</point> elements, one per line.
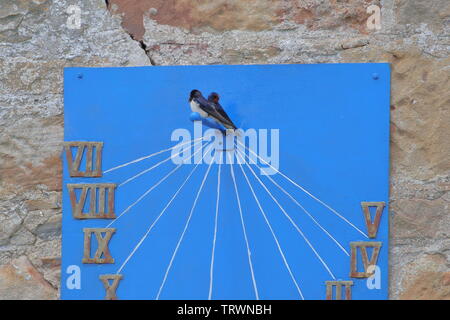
<point>194,93</point>
<point>214,97</point>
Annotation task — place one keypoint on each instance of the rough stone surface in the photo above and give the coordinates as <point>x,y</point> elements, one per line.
<point>36,44</point>
<point>251,15</point>
<point>21,280</point>
<point>426,278</point>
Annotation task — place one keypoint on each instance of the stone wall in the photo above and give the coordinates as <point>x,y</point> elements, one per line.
<point>36,44</point>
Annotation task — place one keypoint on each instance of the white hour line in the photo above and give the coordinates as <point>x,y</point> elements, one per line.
<point>153,167</point>
<point>292,221</point>
<point>211,271</point>
<point>305,191</point>
<point>152,155</point>
<point>156,220</point>
<point>273,234</point>
<point>149,190</point>
<point>183,233</point>
<point>303,208</point>
<point>244,230</point>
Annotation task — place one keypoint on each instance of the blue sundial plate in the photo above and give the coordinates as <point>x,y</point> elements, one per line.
<point>334,141</point>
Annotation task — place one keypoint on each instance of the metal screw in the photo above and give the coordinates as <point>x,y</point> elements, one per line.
<point>80,76</point>
<point>375,76</point>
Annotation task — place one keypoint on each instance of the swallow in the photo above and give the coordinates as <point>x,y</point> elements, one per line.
<point>210,108</point>
<point>214,99</point>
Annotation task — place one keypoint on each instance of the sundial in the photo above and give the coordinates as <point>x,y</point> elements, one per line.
<point>158,204</point>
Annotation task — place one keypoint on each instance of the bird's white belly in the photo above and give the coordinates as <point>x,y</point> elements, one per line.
<point>196,108</point>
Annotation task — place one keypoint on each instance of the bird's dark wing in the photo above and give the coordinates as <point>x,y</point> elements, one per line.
<point>211,109</point>
<point>222,112</point>
<point>205,105</point>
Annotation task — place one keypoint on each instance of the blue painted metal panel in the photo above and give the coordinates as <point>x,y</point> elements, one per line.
<point>334,141</point>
